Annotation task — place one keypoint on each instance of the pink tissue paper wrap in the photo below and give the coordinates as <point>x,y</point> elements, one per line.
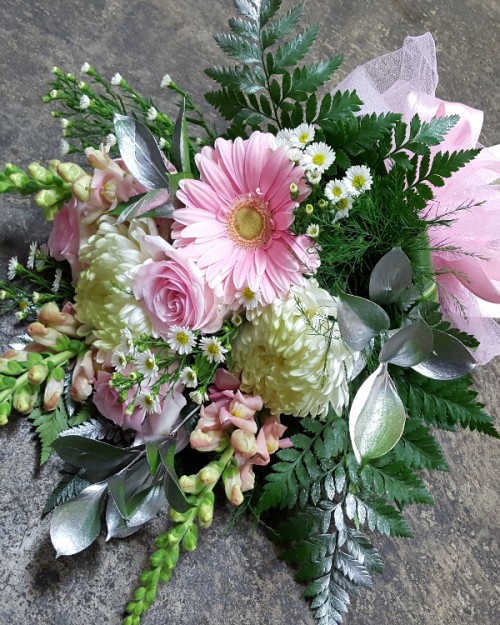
<point>405,82</point>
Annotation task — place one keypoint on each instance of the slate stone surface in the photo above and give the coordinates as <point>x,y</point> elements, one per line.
<point>448,573</point>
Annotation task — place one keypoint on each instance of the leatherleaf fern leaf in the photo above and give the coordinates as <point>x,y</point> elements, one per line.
<point>444,405</point>
<point>306,471</point>
<point>267,85</point>
<point>48,425</point>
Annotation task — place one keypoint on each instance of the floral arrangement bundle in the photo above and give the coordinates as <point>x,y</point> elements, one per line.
<point>279,315</point>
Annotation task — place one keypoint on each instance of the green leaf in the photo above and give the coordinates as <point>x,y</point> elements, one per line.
<point>174,493</point>
<point>48,426</point>
<point>382,517</point>
<point>395,481</point>
<point>310,78</point>
<point>418,448</point>
<point>153,455</point>
<point>238,48</point>
<point>180,143</point>
<point>280,28</point>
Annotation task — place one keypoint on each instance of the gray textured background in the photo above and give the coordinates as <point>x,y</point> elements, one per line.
<point>448,573</point>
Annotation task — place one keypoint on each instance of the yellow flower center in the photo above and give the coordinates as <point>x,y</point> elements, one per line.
<point>304,137</point>
<point>358,182</point>
<point>318,159</point>
<point>150,363</point>
<point>249,222</point>
<point>247,293</point>
<point>342,203</point>
<point>182,338</point>
<point>213,349</point>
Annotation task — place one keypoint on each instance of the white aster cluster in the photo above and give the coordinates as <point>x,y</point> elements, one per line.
<point>341,193</point>
<point>291,354</point>
<point>104,298</point>
<point>315,157</point>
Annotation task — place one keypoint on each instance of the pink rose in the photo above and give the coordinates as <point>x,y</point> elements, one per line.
<point>174,292</point>
<point>106,399</point>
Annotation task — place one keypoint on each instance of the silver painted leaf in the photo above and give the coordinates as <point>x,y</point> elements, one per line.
<point>340,480</point>
<point>360,320</point>
<point>377,416</point>
<point>146,504</point>
<point>329,486</point>
<point>140,152</point>
<point>390,277</point>
<point>408,346</point>
<point>350,506</point>
<point>77,523</point>
<point>180,142</point>
<point>338,518</point>
<point>449,359</point>
<point>116,525</point>
<point>124,485</point>
<point>361,512</point>
<point>150,203</point>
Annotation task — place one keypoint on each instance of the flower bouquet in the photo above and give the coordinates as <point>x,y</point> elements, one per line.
<point>278,315</point>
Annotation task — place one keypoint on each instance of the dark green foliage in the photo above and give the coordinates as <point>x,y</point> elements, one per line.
<point>446,404</point>
<point>70,486</point>
<point>381,516</point>
<point>418,448</point>
<point>395,480</point>
<point>267,85</point>
<point>301,471</point>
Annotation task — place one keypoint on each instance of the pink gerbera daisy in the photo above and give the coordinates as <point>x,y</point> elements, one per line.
<point>236,219</point>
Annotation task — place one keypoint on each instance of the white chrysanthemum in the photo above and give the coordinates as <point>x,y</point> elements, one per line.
<point>358,179</point>
<point>105,303</point>
<point>86,67</point>
<point>30,264</point>
<point>248,298</point>
<point>302,135</point>
<point>341,209</point>
<point>12,268</point>
<point>149,401</point>
<point>166,81</point>
<point>318,156</point>
<point>119,360</point>
<point>336,190</point>
<point>292,355</point>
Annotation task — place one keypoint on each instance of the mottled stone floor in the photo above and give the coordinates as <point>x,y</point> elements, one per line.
<point>448,573</point>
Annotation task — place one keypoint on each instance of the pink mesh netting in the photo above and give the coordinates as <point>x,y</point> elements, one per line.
<point>405,81</point>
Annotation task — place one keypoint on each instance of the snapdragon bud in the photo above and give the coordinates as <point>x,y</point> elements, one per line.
<point>70,171</point>
<point>191,484</point>
<point>210,474</point>
<point>43,335</point>
<point>19,179</point>
<point>53,391</point>
<point>25,398</point>
<point>39,173</point>
<point>206,511</point>
<point>48,198</point>
<point>190,539</point>
<point>244,443</point>
<point>38,373</point>
<point>5,409</point>
<point>81,188</point>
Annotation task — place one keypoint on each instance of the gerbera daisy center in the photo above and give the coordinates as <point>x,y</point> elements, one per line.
<point>249,222</point>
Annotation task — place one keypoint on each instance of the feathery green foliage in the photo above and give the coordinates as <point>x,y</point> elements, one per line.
<point>48,425</point>
<point>266,86</point>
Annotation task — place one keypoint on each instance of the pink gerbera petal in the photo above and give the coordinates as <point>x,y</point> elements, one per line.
<point>236,219</point>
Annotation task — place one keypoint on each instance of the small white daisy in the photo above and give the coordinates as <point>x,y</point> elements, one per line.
<point>198,397</point>
<point>65,122</point>
<point>161,143</point>
<point>181,339</point>
<point>54,94</point>
<point>57,281</point>
<point>127,343</point>
<point>283,138</point>
<point>313,231</point>
<point>149,401</point>
<point>116,80</point>
<point>166,81</point>
<point>358,179</point>
<point>119,360</point>
<point>13,267</point>
<point>32,255</point>
<point>302,135</point>
<point>248,298</point>
<point>86,67</point>
<point>188,377</point>
<point>342,208</point>
<point>152,114</point>
<point>295,155</point>
<point>318,155</point>
<point>336,190</point>
<point>146,363</point>
<point>213,350</point>
<point>84,102</point>
<point>313,176</point>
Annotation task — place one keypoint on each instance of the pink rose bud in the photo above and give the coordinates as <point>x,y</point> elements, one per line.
<point>244,443</point>
<point>42,335</point>
<point>53,392</point>
<point>206,441</point>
